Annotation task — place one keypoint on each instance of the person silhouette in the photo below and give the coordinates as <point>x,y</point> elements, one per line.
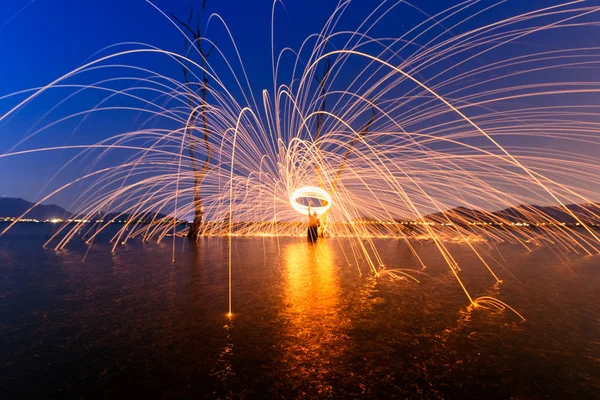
<point>313,226</point>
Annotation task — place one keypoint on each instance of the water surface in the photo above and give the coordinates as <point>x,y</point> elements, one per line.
<point>309,322</point>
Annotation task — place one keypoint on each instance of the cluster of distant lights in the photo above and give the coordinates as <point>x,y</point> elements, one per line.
<point>428,223</point>
<point>53,220</point>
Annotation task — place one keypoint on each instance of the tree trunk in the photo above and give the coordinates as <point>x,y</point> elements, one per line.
<point>195,228</point>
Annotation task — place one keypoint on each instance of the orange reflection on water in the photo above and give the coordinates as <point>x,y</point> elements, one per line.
<point>315,330</point>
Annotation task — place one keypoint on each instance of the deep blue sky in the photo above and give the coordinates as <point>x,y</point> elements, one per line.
<point>41,40</point>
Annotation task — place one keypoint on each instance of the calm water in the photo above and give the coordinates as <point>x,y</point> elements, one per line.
<point>306,324</point>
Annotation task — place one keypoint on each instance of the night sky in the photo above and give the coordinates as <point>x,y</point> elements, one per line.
<point>44,39</point>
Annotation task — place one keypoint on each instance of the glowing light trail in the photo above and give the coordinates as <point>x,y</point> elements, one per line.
<point>311,192</point>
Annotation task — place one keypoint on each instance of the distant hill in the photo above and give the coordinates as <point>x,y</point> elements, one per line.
<point>588,213</point>
<point>15,207</point>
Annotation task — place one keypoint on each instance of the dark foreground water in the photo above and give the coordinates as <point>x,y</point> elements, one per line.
<point>306,324</point>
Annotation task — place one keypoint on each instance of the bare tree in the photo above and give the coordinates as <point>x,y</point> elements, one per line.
<point>193,88</point>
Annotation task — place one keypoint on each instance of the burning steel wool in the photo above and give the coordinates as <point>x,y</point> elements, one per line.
<point>310,192</point>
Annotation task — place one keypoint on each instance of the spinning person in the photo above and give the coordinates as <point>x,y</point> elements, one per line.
<point>313,226</point>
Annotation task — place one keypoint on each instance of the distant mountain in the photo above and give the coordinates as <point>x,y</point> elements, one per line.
<point>14,207</point>
<point>587,213</point>
<point>11,207</point>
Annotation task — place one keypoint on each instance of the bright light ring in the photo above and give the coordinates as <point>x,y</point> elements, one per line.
<point>314,193</point>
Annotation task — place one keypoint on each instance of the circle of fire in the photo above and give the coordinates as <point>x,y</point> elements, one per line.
<point>312,192</point>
